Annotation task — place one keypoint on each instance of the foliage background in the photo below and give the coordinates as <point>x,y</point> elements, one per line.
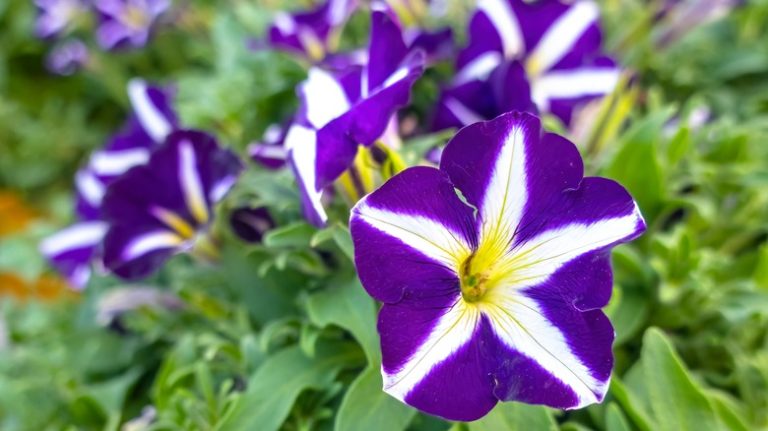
<point>281,336</point>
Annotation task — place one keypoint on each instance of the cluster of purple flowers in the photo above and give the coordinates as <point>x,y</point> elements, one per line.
<point>149,193</point>
<point>121,23</point>
<point>492,269</point>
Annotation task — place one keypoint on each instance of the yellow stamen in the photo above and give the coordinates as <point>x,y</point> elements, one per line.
<point>175,222</point>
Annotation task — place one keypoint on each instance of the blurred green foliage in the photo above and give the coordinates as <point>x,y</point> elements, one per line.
<point>281,335</point>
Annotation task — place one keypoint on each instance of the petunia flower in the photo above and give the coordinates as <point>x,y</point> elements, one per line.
<point>67,57</point>
<point>340,111</point>
<point>166,205</point>
<point>492,270</point>
<point>250,224</point>
<point>127,22</point>
<point>526,56</point>
<point>311,34</point>
<point>73,249</point>
<point>270,152</point>
<point>56,16</point>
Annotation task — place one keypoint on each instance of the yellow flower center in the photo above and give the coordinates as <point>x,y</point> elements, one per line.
<point>135,17</point>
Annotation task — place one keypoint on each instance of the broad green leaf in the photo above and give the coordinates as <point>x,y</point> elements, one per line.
<point>367,407</point>
<point>729,412</point>
<point>615,420</point>
<point>348,306</point>
<point>516,416</point>
<point>674,398</point>
<point>274,387</point>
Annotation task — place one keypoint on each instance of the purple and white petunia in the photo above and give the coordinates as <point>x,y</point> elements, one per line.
<point>127,22</point>
<point>342,110</point>
<point>56,16</point>
<point>493,293</point>
<point>166,205</point>
<point>526,56</point>
<point>312,33</point>
<point>270,152</point>
<point>73,250</point>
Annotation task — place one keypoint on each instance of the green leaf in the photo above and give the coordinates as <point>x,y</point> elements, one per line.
<point>636,166</point>
<point>349,307</point>
<point>340,235</point>
<point>274,387</point>
<point>615,420</point>
<point>675,399</point>
<point>516,416</point>
<point>367,407</point>
<point>293,235</point>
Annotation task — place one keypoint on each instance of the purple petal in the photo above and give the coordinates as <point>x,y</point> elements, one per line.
<point>437,45</point>
<point>386,49</point>
<point>393,257</point>
<point>159,207</point>
<point>72,250</point>
<point>271,151</point>
<point>67,58</point>
<point>153,109</point>
<point>250,224</point>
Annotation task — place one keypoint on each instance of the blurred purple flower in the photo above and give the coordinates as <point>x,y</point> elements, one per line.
<point>311,34</point>
<point>73,249</point>
<point>270,152</point>
<point>543,56</point>
<point>341,110</point>
<point>55,16</point>
<point>250,224</point>
<point>166,205</point>
<point>127,22</point>
<point>67,57</point>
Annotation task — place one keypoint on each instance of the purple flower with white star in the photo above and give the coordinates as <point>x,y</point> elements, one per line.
<point>56,16</point>
<point>67,57</point>
<point>165,206</point>
<point>543,56</point>
<point>73,249</point>
<point>311,34</point>
<point>127,22</point>
<point>342,110</point>
<point>494,293</point>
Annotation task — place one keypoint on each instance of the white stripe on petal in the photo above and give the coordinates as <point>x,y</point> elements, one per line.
<point>152,120</point>
<point>504,20</point>
<point>399,74</point>
<point>430,237</point>
<point>325,98</point>
<point>562,36</point>
<point>462,112</point>
<point>268,151</point>
<point>284,22</point>
<point>90,187</point>
<point>301,143</point>
<point>507,192</point>
<point>520,324</point>
<point>77,236</point>
<point>112,163</point>
<point>189,178</point>
<point>478,69</point>
<point>221,188</point>
<point>534,261</point>
<point>455,328</point>
<point>149,242</point>
<point>571,84</point>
